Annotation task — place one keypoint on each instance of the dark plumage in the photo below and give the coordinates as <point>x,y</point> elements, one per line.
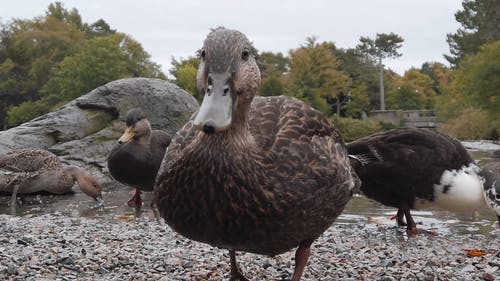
<point>260,175</point>
<point>136,157</point>
<point>491,175</point>
<point>33,170</point>
<point>410,168</point>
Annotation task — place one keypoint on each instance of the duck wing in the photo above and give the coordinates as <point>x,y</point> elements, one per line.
<point>299,144</point>
<point>29,160</point>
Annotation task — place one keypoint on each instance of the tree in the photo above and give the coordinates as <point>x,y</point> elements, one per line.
<point>439,74</point>
<point>480,25</point>
<point>99,61</point>
<point>383,46</point>
<point>476,82</point>
<point>273,66</point>
<point>31,48</point>
<point>184,72</point>
<point>412,91</point>
<point>314,76</point>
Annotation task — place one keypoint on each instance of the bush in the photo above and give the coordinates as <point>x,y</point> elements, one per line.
<point>352,129</point>
<point>472,124</point>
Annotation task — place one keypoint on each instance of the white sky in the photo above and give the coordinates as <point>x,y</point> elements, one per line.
<point>177,28</point>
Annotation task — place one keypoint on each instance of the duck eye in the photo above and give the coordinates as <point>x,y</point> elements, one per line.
<point>245,54</point>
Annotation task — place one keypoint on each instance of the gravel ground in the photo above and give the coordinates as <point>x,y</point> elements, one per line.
<point>58,247</point>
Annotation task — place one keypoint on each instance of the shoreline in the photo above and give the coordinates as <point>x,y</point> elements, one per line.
<point>58,247</point>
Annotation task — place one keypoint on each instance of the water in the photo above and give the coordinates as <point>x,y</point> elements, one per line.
<point>359,209</point>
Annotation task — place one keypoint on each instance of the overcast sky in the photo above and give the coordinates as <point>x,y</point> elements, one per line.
<point>177,28</point>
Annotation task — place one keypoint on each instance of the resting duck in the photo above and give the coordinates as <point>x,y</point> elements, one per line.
<point>259,175</point>
<point>35,170</point>
<point>410,168</point>
<point>136,157</point>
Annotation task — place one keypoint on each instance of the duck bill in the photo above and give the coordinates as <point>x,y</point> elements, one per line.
<point>127,136</point>
<point>216,110</point>
<point>99,200</point>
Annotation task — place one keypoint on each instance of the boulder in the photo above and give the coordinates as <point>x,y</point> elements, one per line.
<point>83,131</point>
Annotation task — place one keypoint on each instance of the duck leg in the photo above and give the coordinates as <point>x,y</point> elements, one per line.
<point>235,270</point>
<point>399,217</point>
<point>136,200</point>
<point>14,195</point>
<point>301,256</point>
<point>411,226</point>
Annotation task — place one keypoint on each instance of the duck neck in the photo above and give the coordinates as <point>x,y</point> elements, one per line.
<point>75,172</point>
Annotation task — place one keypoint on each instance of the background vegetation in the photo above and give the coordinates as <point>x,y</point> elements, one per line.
<point>52,59</point>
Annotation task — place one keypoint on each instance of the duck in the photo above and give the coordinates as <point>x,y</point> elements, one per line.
<point>261,175</point>
<point>32,170</point>
<point>491,176</point>
<point>415,168</point>
<point>135,158</point>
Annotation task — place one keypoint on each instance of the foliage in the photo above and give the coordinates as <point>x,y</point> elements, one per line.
<point>49,60</point>
<point>471,123</point>
<point>439,74</point>
<point>32,49</point>
<point>475,83</point>
<point>272,86</point>
<point>479,20</point>
<point>383,46</point>
<point>26,111</point>
<point>101,60</point>
<point>273,64</point>
<point>184,73</point>
<point>314,75</point>
<point>359,104</point>
<point>362,70</point>
<point>412,91</point>
<point>352,129</point>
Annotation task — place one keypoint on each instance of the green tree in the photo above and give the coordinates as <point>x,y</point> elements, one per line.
<point>383,46</point>
<point>31,48</point>
<point>439,74</point>
<point>412,91</point>
<point>184,73</point>
<point>314,75</point>
<point>100,60</point>
<point>273,64</point>
<point>480,24</point>
<point>476,82</point>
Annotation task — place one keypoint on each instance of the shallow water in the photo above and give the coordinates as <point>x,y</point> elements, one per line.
<point>359,209</point>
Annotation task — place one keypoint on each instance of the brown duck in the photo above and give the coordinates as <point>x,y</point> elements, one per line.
<point>136,157</point>
<point>261,175</point>
<point>35,170</point>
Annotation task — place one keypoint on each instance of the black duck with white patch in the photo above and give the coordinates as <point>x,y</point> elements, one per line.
<point>412,168</point>
<point>137,155</point>
<point>260,175</point>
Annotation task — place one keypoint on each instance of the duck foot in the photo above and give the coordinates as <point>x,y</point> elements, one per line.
<point>136,200</point>
<point>236,274</point>
<point>412,230</point>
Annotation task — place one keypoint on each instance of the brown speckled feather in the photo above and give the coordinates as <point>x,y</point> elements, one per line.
<point>277,177</point>
<point>29,160</point>
<point>33,170</point>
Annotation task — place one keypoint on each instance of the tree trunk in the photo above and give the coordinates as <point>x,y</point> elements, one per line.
<point>381,74</point>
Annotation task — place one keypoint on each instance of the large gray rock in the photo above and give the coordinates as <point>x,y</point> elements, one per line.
<point>83,131</point>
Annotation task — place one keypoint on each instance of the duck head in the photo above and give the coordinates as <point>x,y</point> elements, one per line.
<point>491,176</point>
<point>88,184</point>
<point>228,78</point>
<point>138,127</point>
